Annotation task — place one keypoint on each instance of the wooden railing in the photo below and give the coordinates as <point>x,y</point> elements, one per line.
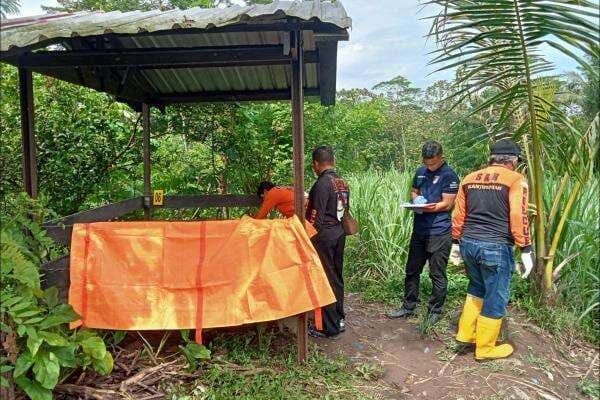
<point>56,273</point>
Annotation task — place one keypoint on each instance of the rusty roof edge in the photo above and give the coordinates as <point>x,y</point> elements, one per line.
<point>36,32</point>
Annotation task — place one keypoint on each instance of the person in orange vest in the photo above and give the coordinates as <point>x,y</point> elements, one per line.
<point>280,198</point>
<point>490,217</point>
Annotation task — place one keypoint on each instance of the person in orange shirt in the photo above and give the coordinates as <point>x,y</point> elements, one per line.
<point>280,198</point>
<point>490,217</point>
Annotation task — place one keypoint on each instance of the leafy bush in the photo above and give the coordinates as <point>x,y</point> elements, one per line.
<point>193,351</point>
<point>40,350</point>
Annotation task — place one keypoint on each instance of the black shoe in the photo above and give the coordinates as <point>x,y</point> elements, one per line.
<point>433,318</point>
<point>342,325</point>
<point>401,313</point>
<point>312,331</point>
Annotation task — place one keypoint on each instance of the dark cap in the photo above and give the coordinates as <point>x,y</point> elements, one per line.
<point>506,147</point>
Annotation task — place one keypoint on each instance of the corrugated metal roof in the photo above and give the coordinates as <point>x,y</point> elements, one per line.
<point>263,77</point>
<point>194,28</point>
<point>22,32</point>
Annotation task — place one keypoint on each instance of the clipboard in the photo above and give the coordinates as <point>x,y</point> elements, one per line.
<point>412,206</point>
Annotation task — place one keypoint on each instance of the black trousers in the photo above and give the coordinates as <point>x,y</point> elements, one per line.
<point>331,253</point>
<point>436,250</point>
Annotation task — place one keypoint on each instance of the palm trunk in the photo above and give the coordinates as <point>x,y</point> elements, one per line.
<point>540,244</point>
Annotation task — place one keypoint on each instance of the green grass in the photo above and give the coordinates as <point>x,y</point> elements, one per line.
<point>576,311</point>
<point>590,388</point>
<point>270,372</point>
<point>376,257</point>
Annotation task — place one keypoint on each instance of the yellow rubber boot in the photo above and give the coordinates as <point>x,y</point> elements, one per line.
<point>487,331</point>
<point>468,319</point>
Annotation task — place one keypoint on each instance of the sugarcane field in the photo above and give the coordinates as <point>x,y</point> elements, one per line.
<point>299,199</point>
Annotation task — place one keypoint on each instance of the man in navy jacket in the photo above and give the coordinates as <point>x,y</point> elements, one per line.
<point>435,184</point>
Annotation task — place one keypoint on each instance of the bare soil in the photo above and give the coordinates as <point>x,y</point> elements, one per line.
<point>412,366</point>
<point>396,359</point>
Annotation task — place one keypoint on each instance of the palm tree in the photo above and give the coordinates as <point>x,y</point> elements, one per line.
<point>9,7</point>
<point>498,44</point>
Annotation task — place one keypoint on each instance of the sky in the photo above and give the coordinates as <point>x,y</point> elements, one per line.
<point>387,39</point>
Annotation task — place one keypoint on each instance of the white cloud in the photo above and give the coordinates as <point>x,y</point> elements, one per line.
<point>34,7</point>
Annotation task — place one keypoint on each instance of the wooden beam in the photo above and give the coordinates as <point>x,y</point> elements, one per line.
<point>102,213</point>
<point>56,273</point>
<point>254,95</point>
<point>298,149</point>
<point>61,234</point>
<point>198,57</point>
<point>206,201</point>
<point>327,71</point>
<point>60,229</point>
<point>30,175</point>
<point>146,156</point>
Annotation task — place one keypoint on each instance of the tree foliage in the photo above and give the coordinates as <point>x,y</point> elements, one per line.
<point>40,349</point>
<point>141,5</point>
<point>9,7</point>
<point>497,47</point>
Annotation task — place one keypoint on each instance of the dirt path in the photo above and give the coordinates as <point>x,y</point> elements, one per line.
<point>412,367</point>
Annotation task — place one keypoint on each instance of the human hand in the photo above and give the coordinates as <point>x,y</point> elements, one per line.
<point>455,256</point>
<point>430,207</point>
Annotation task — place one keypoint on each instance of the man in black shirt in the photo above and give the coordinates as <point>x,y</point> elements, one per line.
<point>327,200</point>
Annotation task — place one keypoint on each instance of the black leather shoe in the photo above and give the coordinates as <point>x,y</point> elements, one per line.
<point>401,313</point>
<point>312,331</point>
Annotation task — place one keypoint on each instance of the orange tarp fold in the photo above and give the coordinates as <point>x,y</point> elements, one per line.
<point>186,275</point>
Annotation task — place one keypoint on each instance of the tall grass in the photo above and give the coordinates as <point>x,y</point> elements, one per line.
<point>382,245</point>
<point>577,285</point>
<point>376,257</point>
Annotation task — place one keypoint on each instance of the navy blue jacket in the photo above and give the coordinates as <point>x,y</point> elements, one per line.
<point>431,186</point>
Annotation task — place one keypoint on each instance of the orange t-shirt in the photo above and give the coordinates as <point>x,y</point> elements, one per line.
<point>280,199</point>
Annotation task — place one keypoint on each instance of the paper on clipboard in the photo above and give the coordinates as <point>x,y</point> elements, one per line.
<point>416,206</point>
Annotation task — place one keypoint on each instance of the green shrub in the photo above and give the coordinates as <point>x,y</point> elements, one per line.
<point>40,350</point>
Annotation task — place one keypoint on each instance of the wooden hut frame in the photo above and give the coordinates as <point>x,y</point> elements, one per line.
<point>100,60</point>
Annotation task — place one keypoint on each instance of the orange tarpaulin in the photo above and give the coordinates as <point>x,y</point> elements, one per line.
<point>183,275</point>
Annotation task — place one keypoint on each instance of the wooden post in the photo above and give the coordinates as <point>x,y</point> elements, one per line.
<point>146,155</point>
<point>28,132</point>
<point>298,144</point>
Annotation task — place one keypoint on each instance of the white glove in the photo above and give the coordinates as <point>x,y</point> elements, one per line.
<point>527,264</point>
<point>455,257</point>
<point>419,200</point>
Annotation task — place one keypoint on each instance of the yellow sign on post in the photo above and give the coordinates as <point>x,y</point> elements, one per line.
<point>158,198</point>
